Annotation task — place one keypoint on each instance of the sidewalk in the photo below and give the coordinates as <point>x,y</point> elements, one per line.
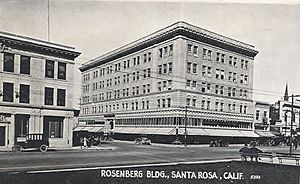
<point>75,148</point>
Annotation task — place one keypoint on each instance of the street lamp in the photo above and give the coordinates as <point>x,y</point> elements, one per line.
<point>185,126</point>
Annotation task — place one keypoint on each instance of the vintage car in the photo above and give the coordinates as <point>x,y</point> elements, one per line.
<point>31,141</point>
<point>142,140</point>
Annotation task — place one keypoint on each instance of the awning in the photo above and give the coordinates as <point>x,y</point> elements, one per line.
<point>190,131</point>
<point>88,128</point>
<point>248,133</point>
<point>223,133</point>
<point>264,133</point>
<point>196,131</point>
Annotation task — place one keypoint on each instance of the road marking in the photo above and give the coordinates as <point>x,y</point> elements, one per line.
<point>131,166</point>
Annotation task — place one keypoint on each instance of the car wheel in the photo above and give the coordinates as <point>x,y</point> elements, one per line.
<point>17,148</point>
<point>43,148</point>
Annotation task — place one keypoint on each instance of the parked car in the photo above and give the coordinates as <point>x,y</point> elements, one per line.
<point>219,143</point>
<point>142,140</point>
<point>177,142</point>
<point>38,141</point>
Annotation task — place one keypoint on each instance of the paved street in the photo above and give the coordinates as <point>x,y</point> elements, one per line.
<point>122,153</point>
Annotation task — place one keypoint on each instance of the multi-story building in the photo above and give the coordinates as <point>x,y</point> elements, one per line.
<point>262,119</point>
<point>36,90</point>
<point>179,78</point>
<point>281,116</point>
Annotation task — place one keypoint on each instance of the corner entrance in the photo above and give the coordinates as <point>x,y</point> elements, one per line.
<point>2,136</point>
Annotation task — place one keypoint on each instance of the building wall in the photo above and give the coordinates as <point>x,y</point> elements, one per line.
<point>172,79</point>
<point>36,109</point>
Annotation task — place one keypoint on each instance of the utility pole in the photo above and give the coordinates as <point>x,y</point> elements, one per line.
<point>185,124</point>
<point>292,119</point>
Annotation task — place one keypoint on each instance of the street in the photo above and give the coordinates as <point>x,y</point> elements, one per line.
<point>123,153</point>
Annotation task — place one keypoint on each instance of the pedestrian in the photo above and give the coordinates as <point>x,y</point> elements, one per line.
<point>254,153</point>
<point>244,152</point>
<point>85,142</point>
<point>295,142</point>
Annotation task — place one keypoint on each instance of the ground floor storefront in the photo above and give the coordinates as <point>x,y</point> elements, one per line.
<point>170,124</point>
<point>18,123</point>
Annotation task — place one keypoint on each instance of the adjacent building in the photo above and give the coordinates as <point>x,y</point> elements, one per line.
<point>262,119</point>
<point>181,80</point>
<point>36,90</point>
<point>282,119</point>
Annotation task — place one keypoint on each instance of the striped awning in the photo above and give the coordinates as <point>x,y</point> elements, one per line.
<point>264,133</point>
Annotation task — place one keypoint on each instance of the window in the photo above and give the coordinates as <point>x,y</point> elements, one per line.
<point>165,68</point>
<point>25,65</point>
<point>195,50</point>
<point>169,102</point>
<point>170,50</point>
<point>218,57</point>
<point>208,71</point>
<point>148,72</point>
<point>221,90</point>
<point>21,125</point>
<point>188,101</point>
<point>8,62</point>
<point>8,92</point>
<point>203,70</point>
<point>145,58</point>
<point>159,69</point>
<point>54,126</point>
<point>61,97</point>
<point>158,103</point>
<point>216,106</point>
<point>49,69</point>
<point>217,89</point>
<point>163,103</point>
<point>24,93</point>
<point>188,83</point>
<point>48,96</point>
<point>222,75</point>
<point>204,54</point>
<point>194,68</point>
<point>62,71</point>
<point>160,52</point>
<point>165,51</point>
<point>223,58</point>
<point>149,56</point>
<point>230,60</point>
<point>209,55</point>
<point>257,115</point>
<point>159,86</point>
<point>217,73</point>
<point>203,87</point>
<point>189,66</point>
<point>189,50</point>
<point>170,67</point>
<point>194,102</point>
<point>194,84</point>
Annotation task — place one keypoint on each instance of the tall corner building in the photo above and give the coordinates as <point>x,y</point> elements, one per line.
<point>36,90</point>
<point>180,80</point>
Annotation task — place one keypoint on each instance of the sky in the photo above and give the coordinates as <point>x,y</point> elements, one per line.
<point>96,27</point>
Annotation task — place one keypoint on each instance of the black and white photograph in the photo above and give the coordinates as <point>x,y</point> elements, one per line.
<point>149,91</point>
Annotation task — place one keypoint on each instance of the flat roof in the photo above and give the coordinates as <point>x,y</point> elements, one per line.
<point>176,28</point>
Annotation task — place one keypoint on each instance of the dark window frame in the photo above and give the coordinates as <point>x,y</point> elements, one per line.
<point>49,68</point>
<point>25,65</point>
<point>8,62</point>
<point>48,97</point>
<point>24,93</point>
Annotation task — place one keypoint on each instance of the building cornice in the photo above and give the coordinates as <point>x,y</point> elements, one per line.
<point>179,28</point>
<point>13,41</point>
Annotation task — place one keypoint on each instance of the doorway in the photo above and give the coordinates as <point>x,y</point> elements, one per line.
<point>2,136</point>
